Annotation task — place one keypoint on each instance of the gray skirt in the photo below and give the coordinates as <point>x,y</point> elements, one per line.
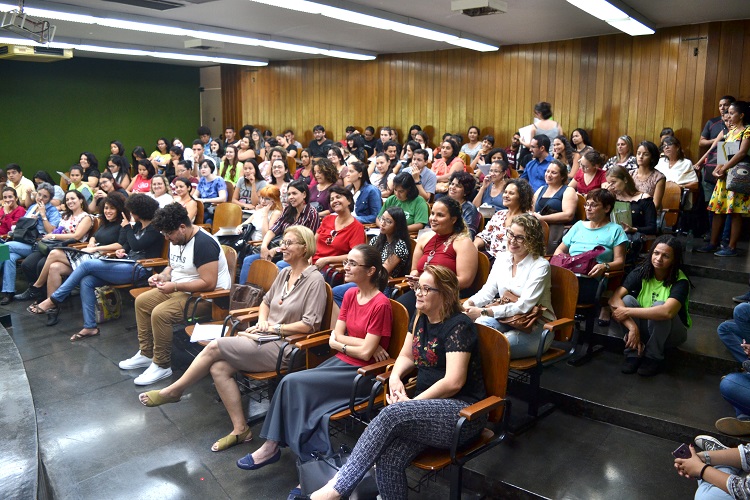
<point>247,355</point>
<point>303,403</point>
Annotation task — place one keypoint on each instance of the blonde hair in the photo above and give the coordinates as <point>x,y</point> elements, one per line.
<point>534,239</point>
<point>306,235</point>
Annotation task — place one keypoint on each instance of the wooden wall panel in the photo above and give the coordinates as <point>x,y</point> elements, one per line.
<point>610,85</point>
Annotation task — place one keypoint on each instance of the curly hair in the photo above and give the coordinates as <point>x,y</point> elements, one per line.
<point>327,169</point>
<point>467,181</point>
<point>143,206</point>
<point>525,194</point>
<point>568,152</point>
<point>117,202</point>
<point>170,218</point>
<point>534,240</point>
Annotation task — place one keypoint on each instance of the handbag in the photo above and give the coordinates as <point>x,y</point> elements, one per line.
<point>314,474</point>
<point>244,296</point>
<point>108,303</point>
<point>26,230</point>
<point>738,178</point>
<point>579,264</point>
<point>45,246</point>
<point>523,322</point>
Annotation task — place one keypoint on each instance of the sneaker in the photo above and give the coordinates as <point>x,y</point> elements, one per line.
<point>726,252</point>
<point>707,248</point>
<point>137,361</point>
<point>153,373</point>
<point>742,298</point>
<point>630,365</point>
<point>649,367</point>
<point>733,426</point>
<point>7,299</point>
<point>708,443</point>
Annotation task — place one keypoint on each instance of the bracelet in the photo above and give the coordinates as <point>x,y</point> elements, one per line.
<point>343,349</point>
<point>175,286</point>
<point>700,476</point>
<point>706,458</point>
<point>277,328</point>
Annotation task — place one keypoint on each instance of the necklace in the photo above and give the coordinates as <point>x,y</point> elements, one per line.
<point>286,290</point>
<point>447,242</point>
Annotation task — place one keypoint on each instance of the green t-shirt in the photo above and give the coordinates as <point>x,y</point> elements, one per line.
<point>416,210</point>
<point>227,177</point>
<point>653,290</point>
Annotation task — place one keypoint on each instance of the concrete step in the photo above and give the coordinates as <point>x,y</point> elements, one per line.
<point>727,269</point>
<point>712,296</point>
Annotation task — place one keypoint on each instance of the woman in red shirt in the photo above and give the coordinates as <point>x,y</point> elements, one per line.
<point>11,211</point>
<point>590,176</point>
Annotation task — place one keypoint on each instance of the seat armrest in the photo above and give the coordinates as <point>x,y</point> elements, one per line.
<point>154,262</point>
<point>78,246</point>
<point>558,324</point>
<point>376,368</point>
<point>246,310</point>
<point>482,407</point>
<point>214,294</point>
<point>247,318</point>
<point>313,342</point>
<point>207,227</point>
<point>396,281</point>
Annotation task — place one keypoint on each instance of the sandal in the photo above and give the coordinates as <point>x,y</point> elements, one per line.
<point>35,309</point>
<point>80,336</point>
<point>153,398</point>
<point>232,440</point>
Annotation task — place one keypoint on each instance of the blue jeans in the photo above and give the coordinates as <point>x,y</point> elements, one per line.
<point>18,250</point>
<point>339,291</point>
<point>735,388</point>
<point>734,331</point>
<point>91,274</point>
<point>707,491</point>
<point>246,266</point>
<point>522,344</point>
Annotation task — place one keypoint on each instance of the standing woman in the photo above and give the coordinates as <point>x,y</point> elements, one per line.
<point>119,168</point>
<point>367,197</point>
<point>443,345</point>
<point>647,179</point>
<point>581,143</point>
<point>493,186</point>
<point>590,176</point>
<point>304,170</point>
<point>280,178</point>
<point>325,177</point>
<point>183,194</point>
<point>724,202</point>
<point>248,186</point>
<point>11,211</point>
<point>624,157</point>
<point>303,401</point>
<point>651,306</point>
<point>142,181</point>
<point>543,122</point>
<point>230,166</point>
<point>159,158</point>
<point>160,190</point>
<point>448,163</point>
<point>247,150</point>
<point>472,147</point>
<point>336,157</point>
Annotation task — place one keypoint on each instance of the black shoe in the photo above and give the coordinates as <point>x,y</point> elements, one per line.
<point>7,299</point>
<point>31,293</point>
<point>631,364</point>
<point>649,367</point>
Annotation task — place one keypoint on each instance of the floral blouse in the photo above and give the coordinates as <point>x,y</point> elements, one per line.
<point>68,225</point>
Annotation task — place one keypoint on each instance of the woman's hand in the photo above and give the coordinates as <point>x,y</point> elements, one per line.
<point>633,340</point>
<point>628,229</point>
<point>380,354</point>
<point>125,222</point>
<point>689,467</point>
<point>120,253</point>
<point>598,271</point>
<point>396,391</point>
<point>620,313</point>
<point>718,171</point>
<point>322,262</point>
<point>259,327</point>
<point>472,312</point>
<point>265,253</point>
<point>100,194</point>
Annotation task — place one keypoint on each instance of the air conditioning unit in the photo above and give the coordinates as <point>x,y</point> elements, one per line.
<point>35,54</point>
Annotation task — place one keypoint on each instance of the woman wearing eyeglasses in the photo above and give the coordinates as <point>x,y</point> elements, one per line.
<point>443,345</point>
<point>298,415</point>
<point>295,303</point>
<point>525,272</point>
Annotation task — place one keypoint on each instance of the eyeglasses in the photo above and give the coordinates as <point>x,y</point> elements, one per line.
<point>351,263</point>
<point>591,205</point>
<point>422,289</point>
<point>288,243</point>
<point>386,222</point>
<point>168,234</point>
<point>330,239</point>
<point>512,237</point>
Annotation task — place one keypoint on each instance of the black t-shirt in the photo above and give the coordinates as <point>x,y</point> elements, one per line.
<point>91,172</point>
<point>430,344</point>
<point>319,150</point>
<point>291,148</point>
<point>147,242</point>
<point>370,145</point>
<point>680,291</point>
<point>108,233</point>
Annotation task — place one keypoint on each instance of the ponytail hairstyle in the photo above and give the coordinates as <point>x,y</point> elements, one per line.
<point>595,158</point>
<point>371,258</point>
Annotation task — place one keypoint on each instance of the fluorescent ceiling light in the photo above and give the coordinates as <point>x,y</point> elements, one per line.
<point>613,16</point>
<point>380,21</point>
<point>192,33</point>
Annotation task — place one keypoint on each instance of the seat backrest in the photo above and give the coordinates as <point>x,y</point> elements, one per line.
<point>230,190</point>
<point>671,201</point>
<point>262,273</point>
<point>514,173</point>
<point>226,215</point>
<point>399,328</point>
<point>483,272</point>
<point>63,182</point>
<point>231,255</point>
<point>199,213</point>
<point>292,164</point>
<point>495,352</point>
<point>329,308</point>
<point>564,296</point>
<point>467,161</point>
<point>580,207</point>
<point>545,229</point>
<point>95,223</point>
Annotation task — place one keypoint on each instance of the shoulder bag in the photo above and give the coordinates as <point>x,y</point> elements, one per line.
<point>579,264</point>
<point>738,178</point>
<point>26,230</point>
<point>522,322</point>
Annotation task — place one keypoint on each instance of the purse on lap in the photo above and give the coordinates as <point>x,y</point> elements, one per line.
<point>579,264</point>
<point>523,322</point>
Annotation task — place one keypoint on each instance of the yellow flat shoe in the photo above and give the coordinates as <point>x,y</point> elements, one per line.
<point>153,398</point>
<point>232,440</point>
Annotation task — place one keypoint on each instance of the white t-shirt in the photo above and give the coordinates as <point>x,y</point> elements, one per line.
<point>202,249</point>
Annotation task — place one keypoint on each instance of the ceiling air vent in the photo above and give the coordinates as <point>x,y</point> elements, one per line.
<point>158,4</point>
<point>476,8</point>
<point>34,54</point>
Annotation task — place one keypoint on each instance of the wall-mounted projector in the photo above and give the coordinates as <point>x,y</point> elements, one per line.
<point>16,21</point>
<point>476,8</point>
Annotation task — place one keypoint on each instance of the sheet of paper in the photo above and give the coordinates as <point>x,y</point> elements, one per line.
<point>525,133</point>
<point>205,333</point>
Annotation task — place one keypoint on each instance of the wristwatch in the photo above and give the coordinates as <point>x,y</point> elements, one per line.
<point>486,312</point>
<point>343,349</point>
<point>606,267</point>
<point>418,183</point>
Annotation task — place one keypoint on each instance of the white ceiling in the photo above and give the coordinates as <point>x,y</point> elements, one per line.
<point>527,21</point>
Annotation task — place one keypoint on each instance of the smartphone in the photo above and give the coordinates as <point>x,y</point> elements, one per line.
<point>682,452</point>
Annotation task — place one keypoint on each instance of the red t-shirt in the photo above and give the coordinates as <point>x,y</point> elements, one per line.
<point>141,185</point>
<point>10,219</point>
<point>373,318</point>
<point>340,242</point>
<point>596,182</point>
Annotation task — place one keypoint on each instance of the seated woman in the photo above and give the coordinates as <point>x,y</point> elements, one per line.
<point>160,190</point>
<point>247,150</point>
<point>299,212</point>
<point>492,187</point>
<point>107,186</point>
<point>90,166</point>
<point>675,167</point>
<point>441,246</point>
<point>562,151</point>
<point>42,176</point>
<point>11,211</point>
<point>590,175</point>
<point>647,179</point>
<point>74,227</point>
<point>303,401</point>
<point>184,169</point>
<point>368,198</point>
<point>78,184</point>
<point>175,157</point>
<point>642,210</point>
<point>406,197</point>
<point>119,167</point>
<point>625,156</point>
<point>304,170</point>
<point>47,218</point>
<point>295,303</point>
<point>393,245</point>
<point>183,194</point>
<point>230,167</point>
<point>142,181</point>
<point>138,240</point>
<point>336,156</point>
<point>449,378</point>
<point>555,203</point>
<point>280,178</point>
<point>265,216</point>
<point>517,198</point>
<point>325,176</point>
<point>581,143</point>
<point>248,186</point>
<point>159,158</point>
<point>651,307</point>
<point>722,472</point>
<point>597,230</point>
<point>212,190</point>
<point>460,189</point>
<point>448,163</point>
<point>523,271</point>
<point>356,145</point>
<point>382,176</point>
